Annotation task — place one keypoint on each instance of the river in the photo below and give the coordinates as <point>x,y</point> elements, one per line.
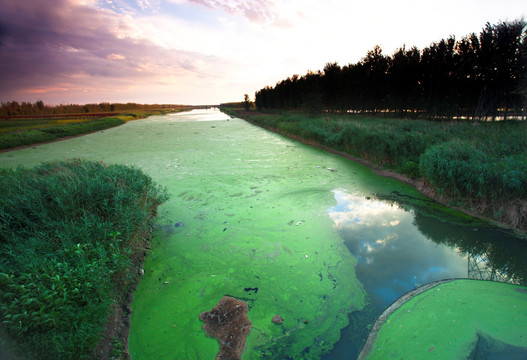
<point>290,229</point>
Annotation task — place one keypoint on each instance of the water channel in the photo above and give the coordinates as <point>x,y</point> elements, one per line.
<point>290,229</point>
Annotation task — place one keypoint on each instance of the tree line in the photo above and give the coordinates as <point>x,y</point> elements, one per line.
<point>14,108</point>
<point>480,76</point>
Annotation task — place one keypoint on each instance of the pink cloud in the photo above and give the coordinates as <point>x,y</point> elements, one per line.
<point>50,46</point>
<point>45,90</point>
<point>259,11</point>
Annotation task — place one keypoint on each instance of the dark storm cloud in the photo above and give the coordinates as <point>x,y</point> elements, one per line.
<point>52,43</point>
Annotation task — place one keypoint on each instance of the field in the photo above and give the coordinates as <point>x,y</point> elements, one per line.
<point>18,131</point>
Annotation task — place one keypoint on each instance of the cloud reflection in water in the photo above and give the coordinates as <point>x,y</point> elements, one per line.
<point>394,257</point>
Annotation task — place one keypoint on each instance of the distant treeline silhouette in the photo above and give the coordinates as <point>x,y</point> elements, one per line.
<point>478,77</point>
<point>14,108</point>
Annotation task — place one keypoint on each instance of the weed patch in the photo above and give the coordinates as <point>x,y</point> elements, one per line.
<point>69,233</point>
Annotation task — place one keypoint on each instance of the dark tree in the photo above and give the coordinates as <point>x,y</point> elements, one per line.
<point>375,66</point>
<point>247,102</point>
<point>312,92</point>
<point>479,76</point>
<point>403,80</point>
<point>332,87</point>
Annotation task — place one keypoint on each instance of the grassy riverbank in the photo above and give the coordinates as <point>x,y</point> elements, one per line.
<point>72,238</point>
<point>33,129</point>
<point>480,167</point>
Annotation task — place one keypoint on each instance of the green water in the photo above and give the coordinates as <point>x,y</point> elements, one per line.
<point>290,229</point>
<point>473,321</point>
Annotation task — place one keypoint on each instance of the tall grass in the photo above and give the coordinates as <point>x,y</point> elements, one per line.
<point>69,232</point>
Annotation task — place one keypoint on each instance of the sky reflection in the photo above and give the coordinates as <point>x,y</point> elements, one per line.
<point>201,115</point>
<point>394,257</point>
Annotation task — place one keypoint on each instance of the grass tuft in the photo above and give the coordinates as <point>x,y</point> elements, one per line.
<point>69,232</point>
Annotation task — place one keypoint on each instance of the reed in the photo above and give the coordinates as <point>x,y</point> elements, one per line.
<point>69,234</point>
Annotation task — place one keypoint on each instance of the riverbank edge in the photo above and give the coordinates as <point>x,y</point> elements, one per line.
<point>419,184</point>
<point>113,343</point>
<point>123,114</point>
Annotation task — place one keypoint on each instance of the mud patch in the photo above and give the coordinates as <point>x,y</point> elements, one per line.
<point>228,323</point>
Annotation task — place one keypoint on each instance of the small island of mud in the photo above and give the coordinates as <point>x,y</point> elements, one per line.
<point>228,323</point>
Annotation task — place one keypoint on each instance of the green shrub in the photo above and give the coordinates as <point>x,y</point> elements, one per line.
<point>83,127</point>
<point>411,169</point>
<point>464,171</point>
<point>68,232</point>
<point>455,167</point>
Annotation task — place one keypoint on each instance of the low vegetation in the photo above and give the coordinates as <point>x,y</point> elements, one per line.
<point>38,123</point>
<point>72,237</point>
<point>479,166</point>
<point>48,130</point>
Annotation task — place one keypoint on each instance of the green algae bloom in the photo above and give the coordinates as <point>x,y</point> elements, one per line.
<point>251,225</point>
<point>461,319</point>
<point>247,218</point>
<point>277,224</point>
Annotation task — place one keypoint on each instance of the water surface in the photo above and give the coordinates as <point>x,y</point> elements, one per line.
<point>290,229</point>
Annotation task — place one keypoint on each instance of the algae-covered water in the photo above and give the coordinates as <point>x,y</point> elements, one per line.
<point>290,229</point>
<point>474,323</point>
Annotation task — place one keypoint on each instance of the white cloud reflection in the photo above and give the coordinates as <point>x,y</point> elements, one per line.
<point>357,210</point>
<point>393,255</point>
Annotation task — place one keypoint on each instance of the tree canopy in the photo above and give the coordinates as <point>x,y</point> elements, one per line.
<point>14,108</point>
<point>479,76</point>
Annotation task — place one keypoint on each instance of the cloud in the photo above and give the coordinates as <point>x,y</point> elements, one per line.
<point>45,90</point>
<point>116,57</point>
<point>260,11</point>
<point>46,47</point>
<point>190,48</point>
<point>143,4</point>
<point>394,257</point>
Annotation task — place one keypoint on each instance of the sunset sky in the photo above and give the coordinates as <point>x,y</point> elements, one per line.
<point>207,51</point>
